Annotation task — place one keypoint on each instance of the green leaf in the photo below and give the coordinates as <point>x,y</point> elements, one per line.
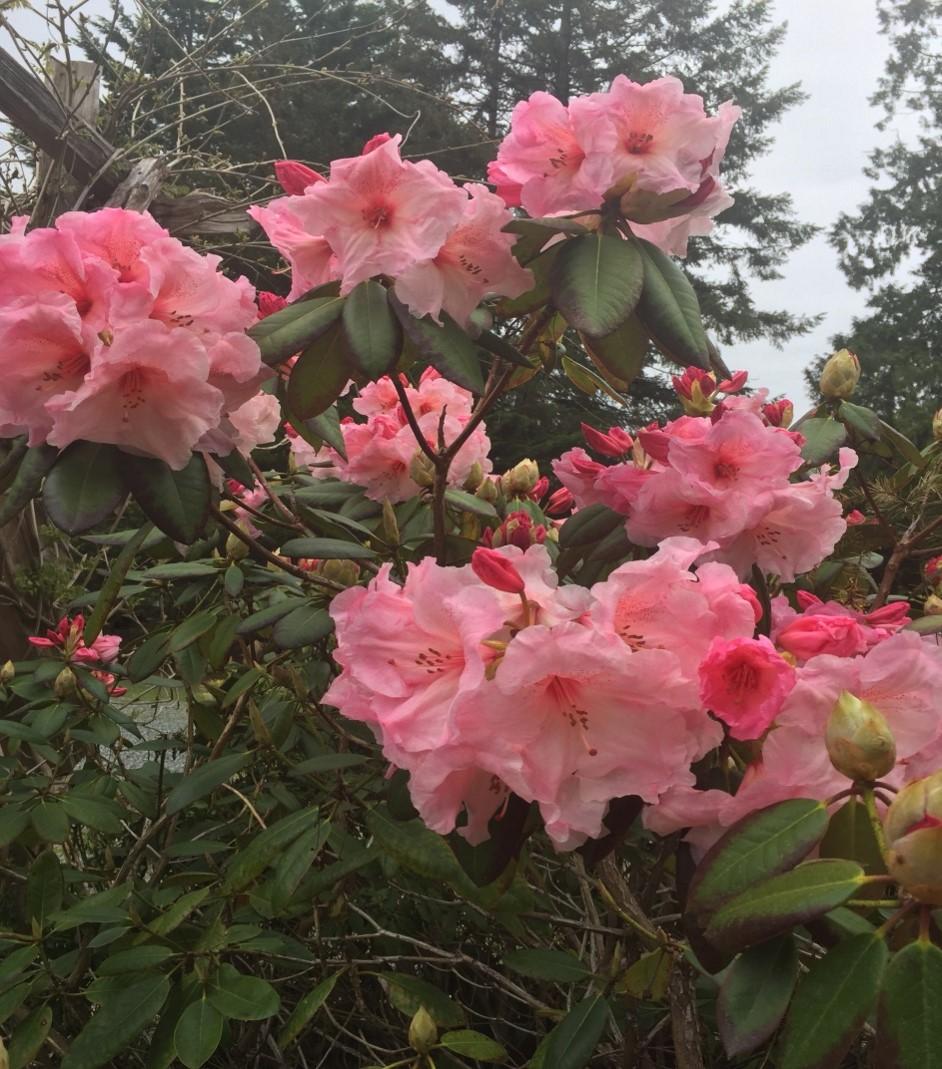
<point>295,862</point>
<point>147,657</point>
<point>596,282</point>
<point>407,993</point>
<point>304,1011</point>
<point>768,841</point>
<point>925,625</point>
<point>620,355</point>
<point>447,348</point>
<point>589,525</point>
<point>572,1042</point>
<point>29,478</point>
<point>558,966</point>
<point>175,501</point>
<point>776,905</point>
<point>823,438</point>
<point>372,331</point>
<point>242,998</point>
<point>191,629</point>
<point>117,1022</point>
<point>181,570</point>
<point>205,779</point>
<point>670,312</point>
<point>269,615</point>
<point>473,1045</point>
<point>12,823</point>
<point>465,502</point>
<point>111,588</point>
<point>301,627</point>
<point>832,1003</point>
<point>755,994</point>
<point>50,821</point>
<point>499,346</point>
<point>287,332</point>
<point>233,581</point>
<point>909,1030</point>
<point>589,381</point>
<point>172,918</point>
<point>137,959</point>
<point>327,549</point>
<point>850,835</point>
<point>863,420</point>
<point>419,849</point>
<point>319,429</point>
<point>541,266</point>
<point>102,814</point>
<point>906,449</point>
<point>84,486</point>
<point>45,888</point>
<point>647,978</point>
<point>319,376</point>
<point>328,762</point>
<point>105,907</point>
<point>198,1033</point>
<point>29,1037</point>
<point>264,848</point>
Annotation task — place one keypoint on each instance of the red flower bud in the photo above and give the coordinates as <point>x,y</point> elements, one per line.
<point>494,569</point>
<point>269,303</point>
<point>933,569</point>
<point>855,518</point>
<point>734,383</point>
<point>560,502</point>
<point>295,177</point>
<point>539,491</point>
<point>779,413</point>
<point>613,444</point>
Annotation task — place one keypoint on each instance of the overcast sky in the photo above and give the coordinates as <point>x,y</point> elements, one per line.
<point>833,48</point>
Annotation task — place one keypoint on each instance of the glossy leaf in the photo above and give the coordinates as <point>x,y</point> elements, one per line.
<point>191,629</point>
<point>832,1002</point>
<point>554,965</point>
<point>596,282</point>
<point>242,998</point>
<point>319,376</point>
<point>111,588</point>
<point>573,1041</point>
<point>474,1045</point>
<point>45,888</point>
<point>823,438</point>
<point>327,549</point>
<point>755,994</point>
<point>84,486</point>
<point>778,904</point>
<point>29,1037</point>
<point>620,355</point>
<point>302,1014</point>
<point>541,266</point>
<point>850,835</point>
<point>669,310</point>
<point>372,331</point>
<point>589,525</point>
<point>909,1028</point>
<point>130,1009</point>
<point>292,329</point>
<point>407,993</point>
<point>447,348</point>
<point>198,1033</point>
<point>175,501</point>
<point>302,626</point>
<point>763,844</point>
<point>26,484</point>
<point>205,779</point>
<point>863,420</point>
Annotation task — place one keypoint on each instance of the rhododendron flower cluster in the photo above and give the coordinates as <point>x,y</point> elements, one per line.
<point>113,331</point>
<point>492,676</point>
<point>725,478</point>
<point>633,139</point>
<point>380,451</point>
<point>68,638</point>
<point>378,214</point>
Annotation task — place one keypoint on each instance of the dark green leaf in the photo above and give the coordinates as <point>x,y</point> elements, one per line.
<point>301,627</point>
<point>305,1009</point>
<point>326,549</point>
<point>499,346</point>
<point>766,842</point>
<point>823,438</point>
<point>269,615</point>
<point>777,905</point>
<point>670,312</point>
<point>111,588</point>
<point>233,581</point>
<point>407,993</point>
<point>50,821</point>
<point>906,449</point>
<point>474,1045</point>
<point>863,420</point>
<point>572,1042</point>
<point>118,1021</point>
<point>541,266</point>
<point>372,331</point>
<point>173,917</point>
<point>176,501</point>
<point>29,478</point>
<point>84,486</point>
<point>102,814</point>
<point>447,348</point>
<point>620,355</point>
<point>319,376</point>
<point>755,994</point>
<point>198,1033</point>
<point>181,570</point>
<point>236,467</point>
<point>147,657</point>
<point>925,625</point>
<point>909,1030</point>
<point>319,429</point>
<point>264,848</point>
<point>556,965</point>
<point>596,282</point>
<point>832,1003</point>
<point>191,629</point>
<point>205,779</point>
<point>242,998</point>
<point>588,525</point>
<point>292,329</point>
<point>461,499</point>
<point>12,822</point>
<point>295,862</point>
<point>29,1037</point>
<point>138,959</point>
<point>328,762</point>
<point>105,907</point>
<point>850,835</point>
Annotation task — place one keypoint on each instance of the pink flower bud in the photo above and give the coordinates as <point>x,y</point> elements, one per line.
<point>855,518</point>
<point>560,502</point>
<point>746,592</point>
<point>374,142</point>
<point>613,444</point>
<point>540,490</point>
<point>495,570</point>
<point>895,615</point>
<point>269,303</point>
<point>733,384</point>
<point>695,388</point>
<point>779,413</point>
<point>295,177</point>
<point>933,569</point>
<point>518,529</point>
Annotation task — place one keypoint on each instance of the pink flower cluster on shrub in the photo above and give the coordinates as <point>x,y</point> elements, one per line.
<point>381,450</point>
<point>113,331</point>
<point>634,139</point>
<point>378,214</point>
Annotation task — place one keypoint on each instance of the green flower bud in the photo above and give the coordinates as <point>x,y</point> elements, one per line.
<point>423,1032</point>
<point>521,479</point>
<point>488,491</point>
<point>859,741</point>
<point>932,606</point>
<point>7,672</point>
<point>344,572</point>
<point>475,477</point>
<point>840,375</point>
<point>422,470</point>
<point>914,836</point>
<point>236,549</point>
<point>65,685</point>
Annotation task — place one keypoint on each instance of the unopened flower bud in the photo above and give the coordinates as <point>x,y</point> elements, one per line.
<point>497,571</point>
<point>779,413</point>
<point>236,549</point>
<point>933,569</point>
<point>937,426</point>
<point>540,489</point>
<point>521,479</point>
<point>7,672</point>
<point>932,606</point>
<point>65,684</point>
<point>475,477</point>
<point>518,529</point>
<point>914,836</point>
<point>344,572</point>
<point>560,503</point>
<point>294,177</point>
<point>268,304</point>
<point>423,1032</point>
<point>859,741</point>
<point>615,443</point>
<point>695,388</point>
<point>488,491</point>
<point>422,470</point>
<point>840,375</point>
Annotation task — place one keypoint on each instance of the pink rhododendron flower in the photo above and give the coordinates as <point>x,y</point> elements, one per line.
<point>68,638</point>
<point>311,258</point>
<point>811,635</point>
<point>578,473</point>
<point>255,422</point>
<point>475,261</point>
<point>744,681</point>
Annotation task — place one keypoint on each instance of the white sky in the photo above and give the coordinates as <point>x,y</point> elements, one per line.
<point>833,48</point>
